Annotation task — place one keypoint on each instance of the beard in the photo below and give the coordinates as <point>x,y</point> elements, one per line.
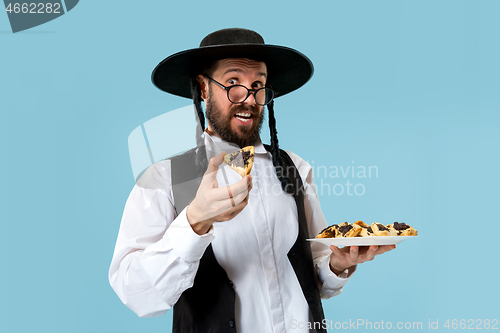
<point>221,123</point>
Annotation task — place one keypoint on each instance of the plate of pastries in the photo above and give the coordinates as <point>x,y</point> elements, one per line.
<point>359,233</point>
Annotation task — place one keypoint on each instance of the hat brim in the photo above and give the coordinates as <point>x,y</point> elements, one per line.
<point>287,68</point>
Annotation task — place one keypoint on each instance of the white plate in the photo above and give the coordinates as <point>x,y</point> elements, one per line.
<point>360,241</point>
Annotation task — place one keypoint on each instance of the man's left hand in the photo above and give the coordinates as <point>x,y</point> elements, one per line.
<point>347,257</point>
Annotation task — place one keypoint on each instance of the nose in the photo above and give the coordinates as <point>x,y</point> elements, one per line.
<point>251,98</point>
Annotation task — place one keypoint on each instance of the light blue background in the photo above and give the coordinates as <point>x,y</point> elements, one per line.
<point>411,87</point>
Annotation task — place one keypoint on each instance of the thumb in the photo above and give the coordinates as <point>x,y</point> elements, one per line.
<point>217,160</point>
<point>214,163</point>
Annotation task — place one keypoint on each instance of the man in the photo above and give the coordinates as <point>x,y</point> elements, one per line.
<point>230,254</point>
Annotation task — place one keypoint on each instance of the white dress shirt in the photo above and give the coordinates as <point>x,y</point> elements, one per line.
<point>157,253</point>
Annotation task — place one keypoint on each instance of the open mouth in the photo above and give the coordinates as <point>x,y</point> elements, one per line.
<point>243,116</point>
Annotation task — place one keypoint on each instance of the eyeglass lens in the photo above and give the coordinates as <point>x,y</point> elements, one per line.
<point>237,94</point>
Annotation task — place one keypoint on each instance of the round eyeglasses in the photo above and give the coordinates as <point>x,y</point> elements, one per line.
<point>237,94</point>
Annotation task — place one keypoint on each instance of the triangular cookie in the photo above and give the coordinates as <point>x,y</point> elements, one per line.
<point>241,161</point>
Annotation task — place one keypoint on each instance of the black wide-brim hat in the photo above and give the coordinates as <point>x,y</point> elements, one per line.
<point>287,69</point>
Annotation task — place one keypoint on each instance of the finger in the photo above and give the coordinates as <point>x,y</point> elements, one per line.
<point>213,164</point>
<point>370,254</point>
<point>209,167</point>
<point>230,195</point>
<point>217,160</point>
<point>385,248</point>
<point>242,186</point>
<point>235,200</point>
<point>250,183</point>
<point>232,212</point>
<point>229,202</point>
<point>245,194</point>
<point>239,207</point>
<point>363,249</point>
<point>340,253</point>
<point>224,198</point>
<point>222,193</point>
<point>353,254</point>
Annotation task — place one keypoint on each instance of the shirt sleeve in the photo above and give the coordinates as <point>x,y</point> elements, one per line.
<point>330,284</point>
<point>157,253</point>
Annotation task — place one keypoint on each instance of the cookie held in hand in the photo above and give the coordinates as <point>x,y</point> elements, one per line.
<point>241,161</point>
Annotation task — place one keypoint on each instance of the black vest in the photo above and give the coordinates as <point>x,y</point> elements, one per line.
<point>208,306</point>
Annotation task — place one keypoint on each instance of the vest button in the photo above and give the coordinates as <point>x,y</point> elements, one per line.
<point>231,323</point>
<point>292,254</point>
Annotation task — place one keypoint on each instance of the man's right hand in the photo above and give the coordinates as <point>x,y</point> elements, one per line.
<point>214,204</point>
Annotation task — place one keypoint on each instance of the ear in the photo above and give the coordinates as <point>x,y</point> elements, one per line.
<point>203,85</point>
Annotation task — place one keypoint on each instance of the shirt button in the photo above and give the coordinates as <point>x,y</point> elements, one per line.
<point>231,323</point>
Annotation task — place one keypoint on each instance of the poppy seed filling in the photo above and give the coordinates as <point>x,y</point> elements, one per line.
<point>381,227</point>
<point>241,159</point>
<point>345,229</point>
<point>400,226</point>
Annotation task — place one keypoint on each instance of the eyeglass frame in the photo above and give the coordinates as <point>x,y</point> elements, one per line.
<point>248,91</point>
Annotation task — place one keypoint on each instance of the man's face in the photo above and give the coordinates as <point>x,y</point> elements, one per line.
<point>237,123</point>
